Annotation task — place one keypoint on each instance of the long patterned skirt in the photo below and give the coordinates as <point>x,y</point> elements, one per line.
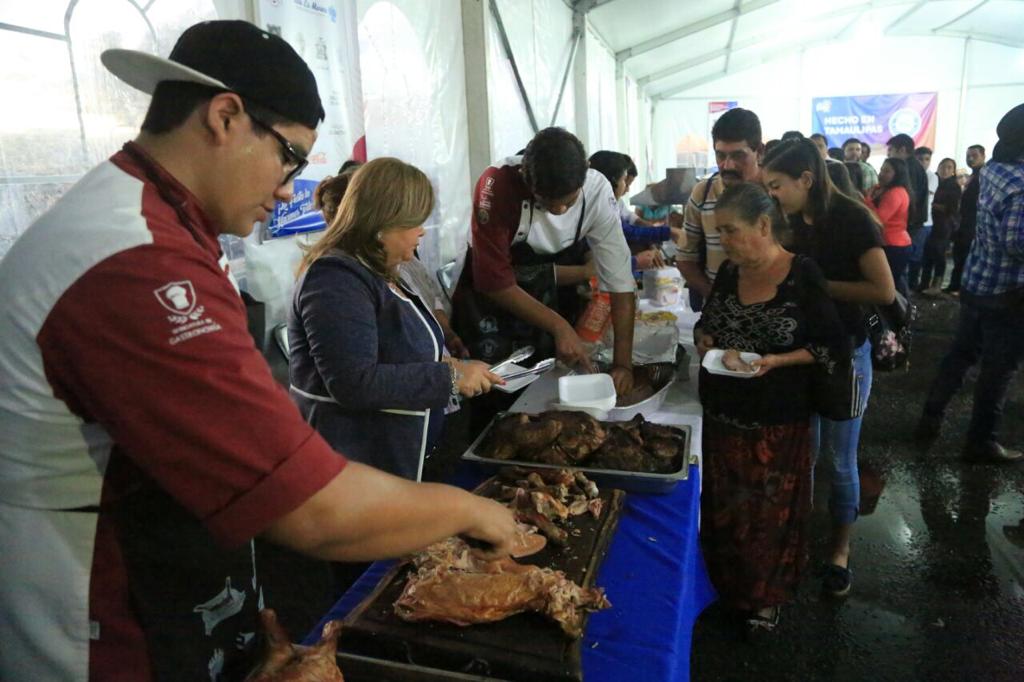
<point>755,501</point>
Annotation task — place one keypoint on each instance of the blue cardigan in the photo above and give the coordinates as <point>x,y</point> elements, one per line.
<point>358,349</point>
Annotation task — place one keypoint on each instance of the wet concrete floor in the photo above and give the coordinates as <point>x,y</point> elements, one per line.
<point>938,559</point>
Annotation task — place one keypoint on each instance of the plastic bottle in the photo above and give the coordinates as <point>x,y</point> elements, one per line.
<point>596,316</point>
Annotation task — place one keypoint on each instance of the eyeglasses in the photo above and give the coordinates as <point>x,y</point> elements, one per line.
<point>292,161</point>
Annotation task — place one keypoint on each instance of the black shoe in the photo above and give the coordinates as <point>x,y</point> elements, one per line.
<point>836,580</point>
<point>928,427</point>
<point>991,453</point>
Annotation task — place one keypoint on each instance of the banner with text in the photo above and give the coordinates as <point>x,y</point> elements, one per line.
<point>325,36</point>
<point>873,119</point>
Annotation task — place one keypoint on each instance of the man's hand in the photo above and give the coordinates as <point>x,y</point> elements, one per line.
<point>495,525</point>
<point>570,350</point>
<point>623,379</point>
<point>455,346</point>
<point>650,259</point>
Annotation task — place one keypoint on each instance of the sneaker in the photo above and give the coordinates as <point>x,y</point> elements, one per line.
<point>836,580</point>
<point>928,428</point>
<point>991,453</point>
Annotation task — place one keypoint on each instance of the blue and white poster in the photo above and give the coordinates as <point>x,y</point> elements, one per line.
<point>323,32</point>
<point>873,119</point>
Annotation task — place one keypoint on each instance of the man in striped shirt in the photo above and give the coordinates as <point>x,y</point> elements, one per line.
<point>738,151</point>
<point>991,325</point>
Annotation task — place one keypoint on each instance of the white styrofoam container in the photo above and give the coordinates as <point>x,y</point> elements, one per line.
<point>587,390</point>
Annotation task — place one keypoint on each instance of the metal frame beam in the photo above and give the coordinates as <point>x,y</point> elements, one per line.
<point>584,6</point>
<point>689,29</point>
<point>961,16</point>
<point>900,18</point>
<point>796,49</point>
<point>32,32</point>
<point>981,37</point>
<point>690,63</point>
<point>732,35</point>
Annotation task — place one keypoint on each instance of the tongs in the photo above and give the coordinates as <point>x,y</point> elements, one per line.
<point>539,368</point>
<point>517,356</point>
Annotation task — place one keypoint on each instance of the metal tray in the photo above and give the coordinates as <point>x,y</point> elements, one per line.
<point>630,481</point>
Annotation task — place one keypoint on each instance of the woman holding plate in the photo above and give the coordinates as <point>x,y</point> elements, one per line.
<point>756,489</point>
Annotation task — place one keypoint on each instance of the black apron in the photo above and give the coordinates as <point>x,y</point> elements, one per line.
<point>492,333</point>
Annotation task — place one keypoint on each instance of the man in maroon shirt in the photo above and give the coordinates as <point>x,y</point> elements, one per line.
<point>148,461</point>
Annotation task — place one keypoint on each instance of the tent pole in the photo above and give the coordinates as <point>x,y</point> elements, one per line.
<point>512,62</point>
<point>577,36</point>
<point>963,97</point>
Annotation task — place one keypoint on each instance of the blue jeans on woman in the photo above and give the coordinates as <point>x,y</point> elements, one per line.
<point>839,442</point>
<point>899,259</point>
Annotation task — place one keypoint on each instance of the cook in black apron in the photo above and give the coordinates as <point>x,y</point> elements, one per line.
<point>491,332</point>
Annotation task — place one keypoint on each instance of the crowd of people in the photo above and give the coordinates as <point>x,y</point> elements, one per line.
<point>151,470</point>
<point>856,238</point>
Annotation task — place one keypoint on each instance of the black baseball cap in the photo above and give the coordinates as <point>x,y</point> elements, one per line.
<point>1010,130</point>
<point>229,55</point>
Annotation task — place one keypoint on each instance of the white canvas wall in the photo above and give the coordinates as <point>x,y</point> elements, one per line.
<point>540,33</point>
<point>602,98</point>
<point>415,106</point>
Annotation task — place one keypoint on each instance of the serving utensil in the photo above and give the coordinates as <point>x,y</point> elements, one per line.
<point>517,356</point>
<point>539,368</point>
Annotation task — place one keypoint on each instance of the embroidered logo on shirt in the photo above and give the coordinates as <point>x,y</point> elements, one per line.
<point>178,297</point>
<point>482,216</point>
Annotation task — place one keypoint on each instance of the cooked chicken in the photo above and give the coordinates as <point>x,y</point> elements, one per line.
<point>517,432</point>
<point>580,434</point>
<point>620,451</point>
<point>588,487</point>
<point>732,360</point>
<point>527,543</point>
<point>552,454</point>
<point>664,454</point>
<point>465,598</point>
<point>639,393</point>
<point>545,525</point>
<point>286,662</point>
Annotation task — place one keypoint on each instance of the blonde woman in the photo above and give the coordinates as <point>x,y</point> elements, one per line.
<point>367,368</point>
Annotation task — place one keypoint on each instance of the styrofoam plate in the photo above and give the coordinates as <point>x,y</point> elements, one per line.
<point>713,363</point>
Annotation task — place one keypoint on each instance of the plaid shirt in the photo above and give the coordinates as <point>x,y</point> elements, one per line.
<point>996,262</point>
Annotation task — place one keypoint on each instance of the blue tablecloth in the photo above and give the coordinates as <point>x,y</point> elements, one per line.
<point>654,576</point>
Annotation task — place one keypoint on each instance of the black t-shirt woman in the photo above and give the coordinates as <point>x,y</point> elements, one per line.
<point>842,237</point>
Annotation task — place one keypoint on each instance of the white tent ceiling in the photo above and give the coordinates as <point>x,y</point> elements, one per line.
<point>671,46</point>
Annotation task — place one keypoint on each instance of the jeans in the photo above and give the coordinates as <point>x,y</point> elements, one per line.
<point>996,337</point>
<point>960,250</point>
<point>839,442</point>
<point>918,237</point>
<point>898,256</point>
<point>696,301</point>
<point>933,269</point>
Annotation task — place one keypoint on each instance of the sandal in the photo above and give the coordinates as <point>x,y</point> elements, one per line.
<point>758,626</point>
<point>836,580</point>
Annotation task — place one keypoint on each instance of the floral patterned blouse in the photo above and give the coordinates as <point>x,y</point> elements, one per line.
<point>800,315</point>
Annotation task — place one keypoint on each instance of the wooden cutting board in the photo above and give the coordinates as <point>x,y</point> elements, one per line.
<point>527,646</point>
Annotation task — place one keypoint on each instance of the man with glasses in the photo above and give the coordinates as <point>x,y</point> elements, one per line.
<point>149,463</point>
<point>738,151</point>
